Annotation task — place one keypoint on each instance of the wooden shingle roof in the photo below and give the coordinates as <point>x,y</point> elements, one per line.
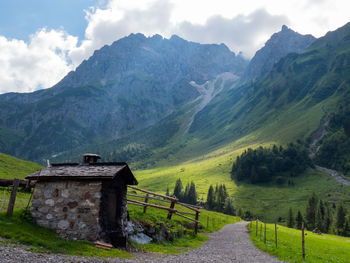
<point>96,171</point>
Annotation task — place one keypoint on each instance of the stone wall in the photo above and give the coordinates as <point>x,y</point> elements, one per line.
<point>71,208</point>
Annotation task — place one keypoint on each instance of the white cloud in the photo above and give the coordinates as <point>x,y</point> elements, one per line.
<point>120,19</point>
<point>244,33</point>
<point>40,63</point>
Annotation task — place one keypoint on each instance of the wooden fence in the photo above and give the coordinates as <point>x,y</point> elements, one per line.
<point>166,199</point>
<point>8,195</point>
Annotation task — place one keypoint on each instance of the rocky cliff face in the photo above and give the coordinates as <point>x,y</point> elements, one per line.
<point>279,45</point>
<point>122,88</point>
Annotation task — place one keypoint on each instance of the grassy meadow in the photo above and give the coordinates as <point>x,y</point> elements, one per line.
<point>322,248</point>
<point>12,167</point>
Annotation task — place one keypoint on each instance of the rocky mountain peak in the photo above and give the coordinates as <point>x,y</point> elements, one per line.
<point>284,28</point>
<point>279,45</point>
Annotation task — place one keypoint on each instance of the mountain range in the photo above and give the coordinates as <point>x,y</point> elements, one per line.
<point>152,100</point>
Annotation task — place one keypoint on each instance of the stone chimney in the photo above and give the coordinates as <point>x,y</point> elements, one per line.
<point>90,158</point>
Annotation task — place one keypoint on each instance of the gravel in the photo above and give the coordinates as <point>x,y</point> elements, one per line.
<point>230,244</point>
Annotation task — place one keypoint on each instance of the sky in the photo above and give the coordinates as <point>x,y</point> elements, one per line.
<point>42,40</point>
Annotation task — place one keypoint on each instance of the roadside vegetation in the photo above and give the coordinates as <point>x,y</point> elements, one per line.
<point>318,247</point>
<point>322,217</point>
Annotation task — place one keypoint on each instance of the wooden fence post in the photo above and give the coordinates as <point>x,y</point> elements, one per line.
<point>260,231</point>
<point>172,205</point>
<point>256,228</point>
<point>12,200</point>
<point>276,234</point>
<point>303,240</point>
<point>146,201</point>
<point>196,223</point>
<point>265,235</point>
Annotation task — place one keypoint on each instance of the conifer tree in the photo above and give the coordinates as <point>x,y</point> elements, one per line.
<point>327,219</point>
<point>311,212</point>
<point>299,220</point>
<point>290,222</point>
<point>340,217</point>
<point>178,189</point>
<point>240,212</point>
<point>346,231</point>
<point>210,197</point>
<point>192,194</point>
<point>229,207</point>
<point>185,195</point>
<point>318,219</point>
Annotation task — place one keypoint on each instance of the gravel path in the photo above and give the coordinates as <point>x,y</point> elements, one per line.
<point>230,244</point>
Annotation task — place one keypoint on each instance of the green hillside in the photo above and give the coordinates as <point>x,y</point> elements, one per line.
<point>266,201</point>
<point>11,167</point>
<point>318,248</point>
<point>284,106</point>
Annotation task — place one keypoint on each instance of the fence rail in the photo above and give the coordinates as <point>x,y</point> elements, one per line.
<point>21,183</point>
<point>167,199</point>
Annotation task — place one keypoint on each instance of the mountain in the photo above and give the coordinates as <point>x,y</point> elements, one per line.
<point>122,88</point>
<point>117,104</point>
<point>287,103</point>
<point>195,135</point>
<point>283,106</point>
<point>279,45</point>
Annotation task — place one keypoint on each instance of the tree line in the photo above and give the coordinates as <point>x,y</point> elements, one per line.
<point>217,198</point>
<point>187,195</point>
<point>266,164</point>
<point>321,217</point>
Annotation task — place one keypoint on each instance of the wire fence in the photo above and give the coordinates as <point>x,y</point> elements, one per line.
<point>259,228</point>
<point>21,202</point>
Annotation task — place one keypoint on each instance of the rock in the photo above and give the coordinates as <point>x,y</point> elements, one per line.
<point>81,225</point>
<point>72,204</point>
<point>63,224</point>
<point>47,193</point>
<point>50,202</point>
<point>43,209</point>
<point>140,238</point>
<point>49,216</point>
<point>130,228</point>
<point>65,193</point>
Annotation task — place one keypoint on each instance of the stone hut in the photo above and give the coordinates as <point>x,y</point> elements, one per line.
<point>83,201</point>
